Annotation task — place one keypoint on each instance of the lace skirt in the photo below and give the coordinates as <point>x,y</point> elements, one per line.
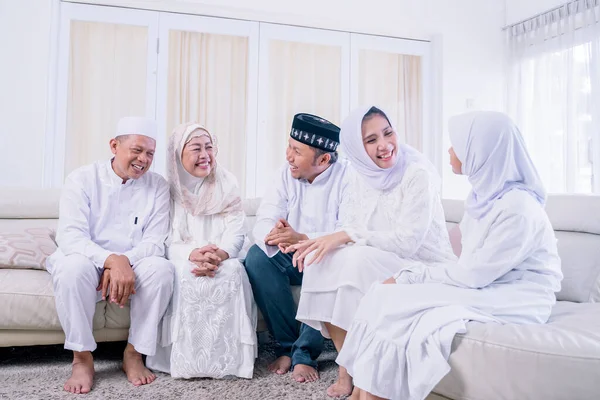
<point>333,288</point>
<point>210,327</point>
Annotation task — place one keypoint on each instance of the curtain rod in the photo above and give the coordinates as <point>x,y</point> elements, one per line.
<point>567,4</point>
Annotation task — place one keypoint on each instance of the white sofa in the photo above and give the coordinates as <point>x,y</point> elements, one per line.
<point>559,360</point>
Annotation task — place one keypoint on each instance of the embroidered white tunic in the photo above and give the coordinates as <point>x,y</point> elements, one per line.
<point>403,223</point>
<point>210,328</point>
<point>310,208</point>
<point>399,342</point>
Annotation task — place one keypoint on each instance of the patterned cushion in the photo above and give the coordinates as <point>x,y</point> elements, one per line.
<point>26,248</point>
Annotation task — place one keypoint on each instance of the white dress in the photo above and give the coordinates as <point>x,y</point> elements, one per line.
<point>400,340</point>
<point>405,222</point>
<point>210,329</point>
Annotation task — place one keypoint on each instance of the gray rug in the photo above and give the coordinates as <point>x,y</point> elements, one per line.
<point>39,373</point>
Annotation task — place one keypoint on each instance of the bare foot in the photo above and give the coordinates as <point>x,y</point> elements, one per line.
<point>304,373</point>
<point>134,367</point>
<point>343,386</point>
<point>355,394</point>
<point>281,366</point>
<point>82,375</point>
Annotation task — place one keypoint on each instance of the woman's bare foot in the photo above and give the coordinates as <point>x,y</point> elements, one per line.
<point>343,386</point>
<point>368,396</point>
<point>355,394</point>
<point>281,366</point>
<point>304,373</point>
<point>134,367</point>
<point>82,375</point>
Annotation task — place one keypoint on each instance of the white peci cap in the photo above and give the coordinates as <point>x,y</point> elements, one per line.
<point>137,126</point>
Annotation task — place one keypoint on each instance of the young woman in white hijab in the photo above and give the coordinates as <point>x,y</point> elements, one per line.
<point>508,271</point>
<point>392,212</point>
<point>210,329</point>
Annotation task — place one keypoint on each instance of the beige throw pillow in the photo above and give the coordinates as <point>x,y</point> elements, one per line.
<point>26,248</point>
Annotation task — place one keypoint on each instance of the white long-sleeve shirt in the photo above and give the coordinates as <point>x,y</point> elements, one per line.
<point>513,242</point>
<point>310,208</point>
<point>99,215</point>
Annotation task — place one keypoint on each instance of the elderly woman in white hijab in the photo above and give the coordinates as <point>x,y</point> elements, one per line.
<point>508,271</point>
<point>392,213</point>
<point>210,330</point>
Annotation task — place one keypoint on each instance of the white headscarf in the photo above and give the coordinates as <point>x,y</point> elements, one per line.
<point>215,194</point>
<point>382,179</point>
<point>494,157</point>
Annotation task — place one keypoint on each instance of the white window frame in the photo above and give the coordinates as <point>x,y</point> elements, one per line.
<point>270,32</point>
<point>432,138</point>
<point>54,160</point>
<point>220,26</point>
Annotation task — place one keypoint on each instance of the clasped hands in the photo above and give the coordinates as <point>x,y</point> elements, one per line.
<point>283,236</point>
<point>206,260</point>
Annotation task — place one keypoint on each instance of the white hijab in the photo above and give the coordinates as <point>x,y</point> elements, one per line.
<point>379,178</point>
<point>215,194</point>
<point>493,156</point>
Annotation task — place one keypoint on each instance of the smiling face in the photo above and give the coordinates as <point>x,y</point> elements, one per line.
<point>303,164</point>
<point>380,141</point>
<point>133,155</point>
<point>198,156</point>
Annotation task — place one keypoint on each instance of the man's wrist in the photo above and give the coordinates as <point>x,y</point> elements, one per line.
<point>110,260</point>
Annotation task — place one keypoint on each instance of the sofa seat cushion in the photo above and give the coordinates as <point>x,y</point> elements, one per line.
<point>27,300</point>
<point>558,360</point>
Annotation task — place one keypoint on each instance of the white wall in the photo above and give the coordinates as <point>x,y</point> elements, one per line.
<point>470,31</point>
<point>518,10</point>
<point>24,54</point>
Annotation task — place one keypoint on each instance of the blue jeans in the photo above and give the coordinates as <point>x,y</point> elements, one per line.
<point>271,279</point>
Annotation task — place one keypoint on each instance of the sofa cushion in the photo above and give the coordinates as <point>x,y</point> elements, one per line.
<point>557,360</point>
<point>29,203</point>
<point>117,317</point>
<point>26,248</point>
<point>580,256</point>
<point>27,300</point>
<point>14,225</point>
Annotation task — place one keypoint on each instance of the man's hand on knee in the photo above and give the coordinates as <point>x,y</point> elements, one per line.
<point>121,278</point>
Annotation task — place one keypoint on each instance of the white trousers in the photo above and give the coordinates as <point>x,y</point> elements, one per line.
<point>75,280</point>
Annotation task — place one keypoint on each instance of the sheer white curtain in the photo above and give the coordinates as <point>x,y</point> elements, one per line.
<point>107,81</point>
<point>207,83</point>
<point>303,78</point>
<point>394,81</point>
<point>554,94</point>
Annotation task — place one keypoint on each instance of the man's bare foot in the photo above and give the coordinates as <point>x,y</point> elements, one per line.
<point>82,375</point>
<point>343,386</point>
<point>134,367</point>
<point>304,373</point>
<point>281,366</point>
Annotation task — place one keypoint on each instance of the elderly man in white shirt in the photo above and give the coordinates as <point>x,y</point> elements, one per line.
<point>113,222</point>
<point>303,203</point>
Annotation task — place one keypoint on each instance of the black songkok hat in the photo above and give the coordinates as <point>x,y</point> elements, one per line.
<point>316,132</point>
